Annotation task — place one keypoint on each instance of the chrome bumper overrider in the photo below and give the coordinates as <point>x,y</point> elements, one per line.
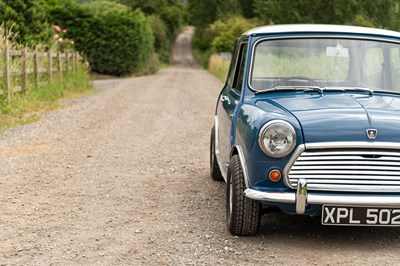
<point>302,197</point>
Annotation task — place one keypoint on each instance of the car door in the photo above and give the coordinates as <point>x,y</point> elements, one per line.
<point>229,99</point>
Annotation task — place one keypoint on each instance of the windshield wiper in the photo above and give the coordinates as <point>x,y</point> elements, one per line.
<point>370,91</point>
<point>292,88</point>
<point>388,91</point>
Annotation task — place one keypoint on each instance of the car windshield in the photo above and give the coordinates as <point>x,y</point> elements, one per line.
<point>326,62</point>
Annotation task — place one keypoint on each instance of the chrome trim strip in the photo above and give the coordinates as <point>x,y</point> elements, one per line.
<point>301,196</point>
<point>243,163</point>
<point>319,173</point>
<point>359,200</point>
<point>299,150</point>
<point>291,36</point>
<point>221,168</point>
<point>368,165</point>
<point>286,197</point>
<point>355,188</point>
<point>353,144</point>
<point>301,163</point>
<point>351,152</point>
<point>320,199</point>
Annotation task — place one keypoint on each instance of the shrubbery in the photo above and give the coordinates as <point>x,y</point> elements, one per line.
<point>166,18</point>
<point>114,39</point>
<point>162,44</point>
<point>125,40</point>
<point>221,35</point>
<point>27,18</point>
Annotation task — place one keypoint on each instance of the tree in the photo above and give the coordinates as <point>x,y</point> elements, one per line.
<point>306,11</point>
<point>27,18</point>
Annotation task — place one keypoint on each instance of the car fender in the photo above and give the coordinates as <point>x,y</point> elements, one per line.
<point>237,150</point>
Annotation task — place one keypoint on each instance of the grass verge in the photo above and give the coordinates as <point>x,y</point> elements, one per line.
<point>24,109</point>
<point>218,66</point>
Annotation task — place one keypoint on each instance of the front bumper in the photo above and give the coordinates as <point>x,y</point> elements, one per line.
<point>302,197</point>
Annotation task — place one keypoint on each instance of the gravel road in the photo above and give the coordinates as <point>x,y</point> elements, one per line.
<point>121,177</point>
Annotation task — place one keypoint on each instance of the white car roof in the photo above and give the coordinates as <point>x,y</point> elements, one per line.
<point>297,28</point>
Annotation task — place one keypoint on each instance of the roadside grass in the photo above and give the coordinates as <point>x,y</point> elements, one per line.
<point>218,66</point>
<point>24,109</point>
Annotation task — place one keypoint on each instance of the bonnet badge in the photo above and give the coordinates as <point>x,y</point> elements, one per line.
<point>371,133</point>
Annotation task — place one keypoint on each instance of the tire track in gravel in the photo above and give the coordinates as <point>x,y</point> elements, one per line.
<point>121,177</point>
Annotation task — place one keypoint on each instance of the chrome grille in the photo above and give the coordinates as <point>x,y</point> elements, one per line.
<point>347,170</point>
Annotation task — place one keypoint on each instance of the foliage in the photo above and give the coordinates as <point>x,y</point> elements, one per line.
<point>170,11</point>
<point>201,13</point>
<point>114,39</point>
<point>161,43</point>
<point>304,11</point>
<point>166,18</point>
<point>173,18</point>
<point>27,18</point>
<point>223,33</point>
<point>382,14</point>
<point>146,6</point>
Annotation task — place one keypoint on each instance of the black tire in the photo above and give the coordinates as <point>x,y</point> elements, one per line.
<point>214,167</point>
<point>243,214</point>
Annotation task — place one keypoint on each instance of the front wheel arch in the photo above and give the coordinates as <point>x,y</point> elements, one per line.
<point>237,150</point>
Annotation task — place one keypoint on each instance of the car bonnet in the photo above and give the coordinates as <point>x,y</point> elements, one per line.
<point>331,117</point>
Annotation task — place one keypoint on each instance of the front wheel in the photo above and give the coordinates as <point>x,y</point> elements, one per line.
<point>243,214</point>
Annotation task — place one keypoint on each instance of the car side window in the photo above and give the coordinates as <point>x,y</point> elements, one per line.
<point>240,67</point>
<point>233,66</point>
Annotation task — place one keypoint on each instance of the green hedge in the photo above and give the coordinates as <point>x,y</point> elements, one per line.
<point>161,39</point>
<point>27,18</point>
<point>221,35</point>
<point>114,39</point>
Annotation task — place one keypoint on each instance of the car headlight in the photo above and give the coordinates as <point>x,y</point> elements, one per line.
<point>277,138</point>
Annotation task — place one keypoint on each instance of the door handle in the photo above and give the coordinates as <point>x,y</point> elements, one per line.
<point>225,99</point>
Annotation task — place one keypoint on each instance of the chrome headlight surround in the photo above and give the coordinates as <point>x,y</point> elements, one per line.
<point>280,132</point>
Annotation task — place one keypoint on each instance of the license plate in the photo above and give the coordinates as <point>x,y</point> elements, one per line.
<point>361,216</point>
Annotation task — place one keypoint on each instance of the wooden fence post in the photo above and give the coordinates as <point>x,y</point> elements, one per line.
<point>66,61</point>
<point>71,64</point>
<point>24,75</point>
<point>36,67</point>
<point>75,62</point>
<point>50,66</point>
<point>59,65</point>
<point>6,71</point>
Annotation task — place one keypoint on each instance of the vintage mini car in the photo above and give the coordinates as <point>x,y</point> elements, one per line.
<point>308,122</point>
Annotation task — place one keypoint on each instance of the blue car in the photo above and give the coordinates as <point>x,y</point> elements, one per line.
<point>308,122</point>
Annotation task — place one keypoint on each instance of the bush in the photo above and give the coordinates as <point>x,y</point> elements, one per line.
<point>124,42</point>
<point>28,18</point>
<point>173,18</point>
<point>114,39</point>
<point>161,42</point>
<point>221,35</point>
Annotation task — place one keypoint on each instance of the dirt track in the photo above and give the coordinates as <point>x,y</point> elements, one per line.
<point>121,177</point>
